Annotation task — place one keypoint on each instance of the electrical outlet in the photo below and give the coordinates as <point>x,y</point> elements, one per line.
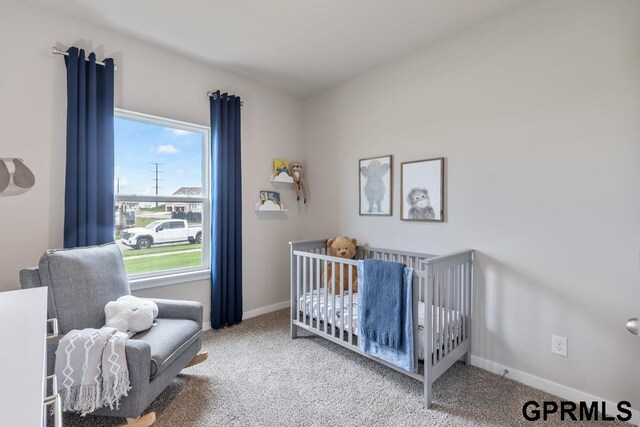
<point>559,345</point>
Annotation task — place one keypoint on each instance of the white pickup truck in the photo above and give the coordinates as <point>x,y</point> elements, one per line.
<point>162,231</point>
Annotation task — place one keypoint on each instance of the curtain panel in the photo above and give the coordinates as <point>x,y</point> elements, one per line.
<point>226,211</point>
<point>89,194</point>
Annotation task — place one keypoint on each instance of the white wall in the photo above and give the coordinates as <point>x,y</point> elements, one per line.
<point>537,112</point>
<point>148,80</point>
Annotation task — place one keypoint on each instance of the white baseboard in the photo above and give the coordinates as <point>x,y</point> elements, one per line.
<point>264,310</point>
<point>560,390</point>
<point>253,313</point>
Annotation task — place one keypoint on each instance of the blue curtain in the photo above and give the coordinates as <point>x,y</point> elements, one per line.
<point>88,198</point>
<point>226,211</point>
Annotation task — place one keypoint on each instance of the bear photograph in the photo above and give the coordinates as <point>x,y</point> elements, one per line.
<point>422,190</point>
<point>375,186</point>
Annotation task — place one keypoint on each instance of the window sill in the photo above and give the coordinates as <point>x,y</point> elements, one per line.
<point>168,279</point>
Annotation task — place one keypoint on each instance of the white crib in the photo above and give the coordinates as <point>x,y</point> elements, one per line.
<point>442,292</point>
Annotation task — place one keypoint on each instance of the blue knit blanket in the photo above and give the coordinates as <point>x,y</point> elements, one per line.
<point>385,299</point>
<point>382,302</point>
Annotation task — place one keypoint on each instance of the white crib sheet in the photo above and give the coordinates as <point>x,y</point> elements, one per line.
<point>311,302</point>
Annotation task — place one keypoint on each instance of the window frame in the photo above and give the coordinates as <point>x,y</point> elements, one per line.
<point>187,274</point>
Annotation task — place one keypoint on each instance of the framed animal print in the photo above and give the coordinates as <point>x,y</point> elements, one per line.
<point>422,190</point>
<point>376,186</point>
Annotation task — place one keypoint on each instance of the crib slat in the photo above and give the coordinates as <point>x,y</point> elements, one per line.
<point>454,305</point>
<point>459,307</point>
<point>440,315</point>
<point>452,278</point>
<point>350,304</point>
<point>305,278</point>
<point>443,290</point>
<point>463,280</point>
<point>428,324</point>
<point>436,314</point>
<point>311,264</point>
<point>447,312</point>
<point>448,309</point>
<point>326,298</point>
<point>333,295</point>
<point>467,301</point>
<point>463,306</point>
<point>433,309</point>
<point>462,303</point>
<point>420,298</point>
<point>342,301</point>
<point>298,273</point>
<point>318,293</point>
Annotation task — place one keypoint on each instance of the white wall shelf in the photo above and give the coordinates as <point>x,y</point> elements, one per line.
<point>269,207</point>
<point>283,178</point>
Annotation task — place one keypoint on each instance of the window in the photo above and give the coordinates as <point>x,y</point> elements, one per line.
<point>162,197</point>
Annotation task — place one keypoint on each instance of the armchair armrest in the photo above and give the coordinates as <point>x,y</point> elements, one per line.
<point>138,354</point>
<point>177,309</point>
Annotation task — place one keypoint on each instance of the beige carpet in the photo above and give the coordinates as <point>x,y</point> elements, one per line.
<point>257,376</point>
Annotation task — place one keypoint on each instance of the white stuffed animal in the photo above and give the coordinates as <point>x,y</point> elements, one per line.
<point>130,314</point>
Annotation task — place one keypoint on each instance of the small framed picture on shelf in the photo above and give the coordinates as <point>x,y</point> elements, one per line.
<point>270,200</point>
<point>281,171</point>
<point>422,190</point>
<point>376,196</point>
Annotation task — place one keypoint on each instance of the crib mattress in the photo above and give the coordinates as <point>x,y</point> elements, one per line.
<point>311,301</point>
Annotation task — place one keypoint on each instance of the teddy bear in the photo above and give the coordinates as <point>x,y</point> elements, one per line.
<point>342,247</point>
<point>130,314</point>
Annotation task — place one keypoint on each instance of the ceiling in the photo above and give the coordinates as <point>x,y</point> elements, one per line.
<point>301,46</point>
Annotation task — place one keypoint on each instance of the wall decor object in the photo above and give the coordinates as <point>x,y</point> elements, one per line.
<point>376,189</point>
<point>15,177</point>
<point>281,172</point>
<point>422,190</point>
<point>296,173</point>
<point>269,201</point>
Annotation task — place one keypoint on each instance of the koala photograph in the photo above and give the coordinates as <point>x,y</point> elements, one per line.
<point>422,190</point>
<point>375,186</point>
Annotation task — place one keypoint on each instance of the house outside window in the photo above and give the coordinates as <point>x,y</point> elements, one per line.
<point>162,197</point>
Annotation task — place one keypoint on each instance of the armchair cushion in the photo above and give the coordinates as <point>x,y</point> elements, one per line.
<point>168,338</point>
<point>81,282</point>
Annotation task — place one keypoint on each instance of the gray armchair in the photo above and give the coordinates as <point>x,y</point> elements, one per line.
<point>81,281</point>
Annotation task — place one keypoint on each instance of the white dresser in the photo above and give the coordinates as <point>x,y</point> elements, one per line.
<point>23,359</point>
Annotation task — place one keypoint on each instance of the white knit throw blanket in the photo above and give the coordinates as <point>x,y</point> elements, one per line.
<point>91,368</point>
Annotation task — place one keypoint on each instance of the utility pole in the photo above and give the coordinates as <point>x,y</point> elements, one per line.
<point>157,178</point>
<point>118,186</point>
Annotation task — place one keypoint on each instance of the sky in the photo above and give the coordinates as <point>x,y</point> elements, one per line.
<point>138,144</point>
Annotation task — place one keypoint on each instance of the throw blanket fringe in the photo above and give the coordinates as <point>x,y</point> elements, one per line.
<point>92,371</point>
<point>114,387</point>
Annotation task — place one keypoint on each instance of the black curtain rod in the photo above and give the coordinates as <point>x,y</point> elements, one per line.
<point>211,93</point>
<point>57,51</point>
